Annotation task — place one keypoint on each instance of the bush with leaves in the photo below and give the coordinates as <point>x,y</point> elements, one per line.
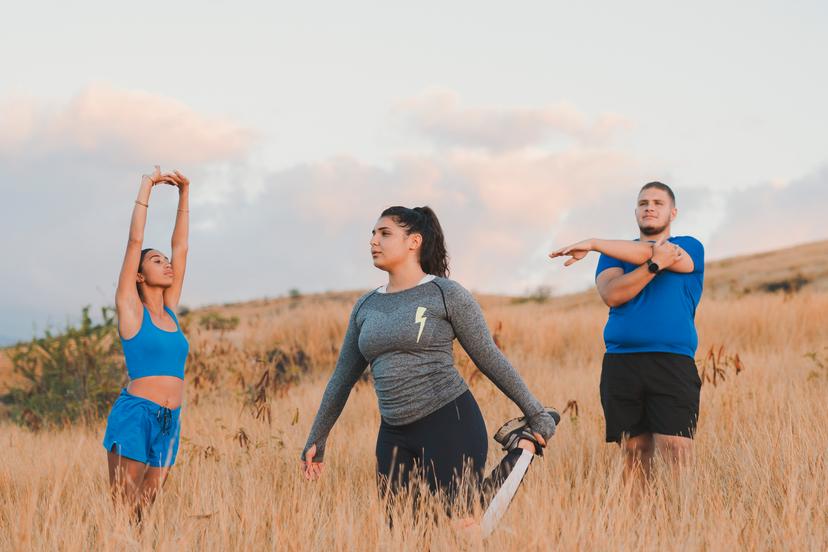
<point>71,377</point>
<point>215,321</point>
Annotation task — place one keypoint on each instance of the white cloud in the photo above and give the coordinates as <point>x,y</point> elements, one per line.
<point>68,176</point>
<point>498,211</point>
<point>769,216</point>
<point>118,125</point>
<point>259,232</point>
<point>441,117</point>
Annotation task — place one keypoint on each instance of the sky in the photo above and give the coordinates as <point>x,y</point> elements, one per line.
<point>525,126</point>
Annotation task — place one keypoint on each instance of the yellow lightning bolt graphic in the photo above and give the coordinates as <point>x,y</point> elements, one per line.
<point>420,319</point>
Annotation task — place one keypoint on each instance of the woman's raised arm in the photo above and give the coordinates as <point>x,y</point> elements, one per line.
<point>127,301</point>
<point>180,238</point>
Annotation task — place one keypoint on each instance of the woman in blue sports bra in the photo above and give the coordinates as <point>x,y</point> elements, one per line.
<point>142,430</point>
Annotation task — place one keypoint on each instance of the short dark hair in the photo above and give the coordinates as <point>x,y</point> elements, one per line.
<point>422,220</point>
<point>659,186</point>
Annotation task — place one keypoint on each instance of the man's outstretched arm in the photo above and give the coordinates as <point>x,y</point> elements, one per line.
<point>633,252</point>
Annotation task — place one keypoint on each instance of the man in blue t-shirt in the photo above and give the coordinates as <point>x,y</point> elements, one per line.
<point>649,382</point>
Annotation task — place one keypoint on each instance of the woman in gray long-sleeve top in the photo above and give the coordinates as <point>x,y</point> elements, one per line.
<point>405,330</point>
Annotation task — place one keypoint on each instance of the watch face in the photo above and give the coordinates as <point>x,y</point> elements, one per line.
<point>652,267</point>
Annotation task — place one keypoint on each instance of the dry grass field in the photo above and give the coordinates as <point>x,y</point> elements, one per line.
<point>759,479</point>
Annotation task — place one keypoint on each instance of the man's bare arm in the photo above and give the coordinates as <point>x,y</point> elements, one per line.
<point>616,288</point>
<point>633,252</point>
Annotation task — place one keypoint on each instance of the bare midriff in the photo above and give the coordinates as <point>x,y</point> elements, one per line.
<point>167,391</point>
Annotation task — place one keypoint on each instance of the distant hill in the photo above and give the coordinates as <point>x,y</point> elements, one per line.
<point>798,268</point>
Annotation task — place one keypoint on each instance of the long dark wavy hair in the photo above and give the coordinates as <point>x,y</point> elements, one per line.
<point>434,258</point>
<point>141,270</point>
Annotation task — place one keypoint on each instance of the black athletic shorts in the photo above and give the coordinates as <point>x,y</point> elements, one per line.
<point>649,393</point>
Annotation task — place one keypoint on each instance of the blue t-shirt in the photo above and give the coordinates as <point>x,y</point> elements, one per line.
<point>660,319</point>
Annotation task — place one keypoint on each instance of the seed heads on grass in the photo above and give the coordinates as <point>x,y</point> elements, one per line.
<point>717,363</point>
<point>242,438</point>
<point>572,408</point>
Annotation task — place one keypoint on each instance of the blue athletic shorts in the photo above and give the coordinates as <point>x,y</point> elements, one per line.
<point>142,430</point>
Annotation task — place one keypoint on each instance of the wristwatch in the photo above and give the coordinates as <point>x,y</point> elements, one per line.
<point>652,267</point>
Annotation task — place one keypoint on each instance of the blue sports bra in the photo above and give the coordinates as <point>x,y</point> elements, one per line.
<point>155,352</point>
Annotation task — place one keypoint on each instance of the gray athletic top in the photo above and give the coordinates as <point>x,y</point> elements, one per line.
<point>407,338</point>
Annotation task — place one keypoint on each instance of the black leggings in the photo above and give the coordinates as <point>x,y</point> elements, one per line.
<point>438,447</point>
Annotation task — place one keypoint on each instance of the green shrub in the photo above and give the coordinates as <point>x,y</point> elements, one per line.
<point>540,294</point>
<point>215,321</point>
<point>70,377</point>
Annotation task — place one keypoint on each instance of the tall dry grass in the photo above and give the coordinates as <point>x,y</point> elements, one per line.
<point>758,481</point>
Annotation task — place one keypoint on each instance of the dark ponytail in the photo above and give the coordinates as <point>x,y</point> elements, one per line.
<point>422,220</point>
<point>140,270</point>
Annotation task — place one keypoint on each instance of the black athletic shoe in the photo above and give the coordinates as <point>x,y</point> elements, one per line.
<point>516,429</point>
